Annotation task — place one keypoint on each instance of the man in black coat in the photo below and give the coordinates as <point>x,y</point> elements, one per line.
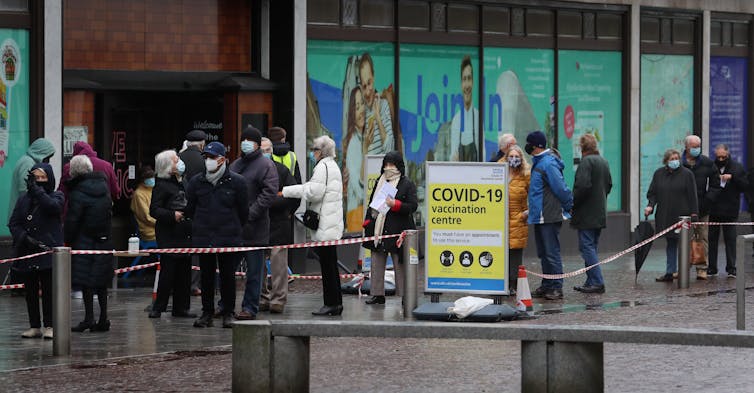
<point>275,295</point>
<point>217,204</point>
<point>707,188</point>
<point>725,209</point>
<point>193,164</point>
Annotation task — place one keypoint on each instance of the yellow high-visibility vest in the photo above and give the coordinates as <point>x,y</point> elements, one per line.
<point>289,160</point>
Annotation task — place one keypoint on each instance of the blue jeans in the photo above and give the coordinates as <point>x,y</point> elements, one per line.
<point>671,252</point>
<point>254,262</point>
<point>588,242</point>
<point>548,251</point>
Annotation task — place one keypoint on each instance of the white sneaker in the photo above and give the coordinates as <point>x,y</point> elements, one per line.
<point>77,295</point>
<point>32,333</point>
<point>47,333</point>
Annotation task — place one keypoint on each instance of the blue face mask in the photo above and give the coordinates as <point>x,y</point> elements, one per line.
<point>674,164</point>
<point>268,155</point>
<point>311,156</point>
<point>149,182</point>
<point>180,167</point>
<point>248,147</point>
<point>695,151</point>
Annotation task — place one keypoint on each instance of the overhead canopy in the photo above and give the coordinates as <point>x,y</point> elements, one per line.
<point>164,81</point>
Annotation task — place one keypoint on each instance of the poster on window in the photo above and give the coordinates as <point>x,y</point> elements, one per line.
<point>518,91</point>
<point>667,110</point>
<point>728,100</point>
<point>350,98</point>
<point>439,107</point>
<point>14,110</point>
<point>589,102</point>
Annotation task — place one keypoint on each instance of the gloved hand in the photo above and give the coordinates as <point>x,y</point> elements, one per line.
<point>31,181</point>
<point>33,243</point>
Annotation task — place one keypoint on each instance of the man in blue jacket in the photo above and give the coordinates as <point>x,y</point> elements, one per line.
<point>550,202</point>
<point>218,205</point>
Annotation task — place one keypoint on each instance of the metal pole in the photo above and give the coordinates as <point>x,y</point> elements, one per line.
<point>741,242</point>
<point>684,257</point>
<point>61,301</point>
<point>411,263</point>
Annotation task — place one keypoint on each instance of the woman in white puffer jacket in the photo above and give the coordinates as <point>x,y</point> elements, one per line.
<point>324,194</point>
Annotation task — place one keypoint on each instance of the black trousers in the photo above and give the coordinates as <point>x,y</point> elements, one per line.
<point>227,264</point>
<point>32,281</point>
<point>328,262</point>
<point>175,278</point>
<point>729,236</point>
<point>515,259</point>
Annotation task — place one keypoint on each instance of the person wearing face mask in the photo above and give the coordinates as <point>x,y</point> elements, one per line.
<point>140,201</point>
<point>399,217</point>
<point>262,187</point>
<point>591,185</point>
<point>550,202</point>
<point>36,227</point>
<point>275,295</point>
<point>733,182</point>
<point>218,206</point>
<point>519,177</point>
<point>671,194</point>
<point>173,230</point>
<point>707,189</point>
<point>324,193</point>
<point>504,144</point>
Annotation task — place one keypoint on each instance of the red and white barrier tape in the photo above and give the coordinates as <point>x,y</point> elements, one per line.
<point>606,260</point>
<point>12,286</point>
<point>723,223</point>
<point>135,268</point>
<point>9,260</point>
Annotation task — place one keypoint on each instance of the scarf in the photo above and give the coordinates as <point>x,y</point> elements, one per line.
<point>391,176</point>
<point>215,177</point>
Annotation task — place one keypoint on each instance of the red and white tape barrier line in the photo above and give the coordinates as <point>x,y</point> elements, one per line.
<point>12,286</point>
<point>606,260</point>
<point>724,223</point>
<point>9,260</point>
<point>137,267</point>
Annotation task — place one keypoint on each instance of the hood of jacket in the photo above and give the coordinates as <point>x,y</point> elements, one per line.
<point>396,159</point>
<point>280,148</point>
<point>82,147</point>
<point>50,185</point>
<point>93,184</point>
<point>546,157</point>
<point>40,149</point>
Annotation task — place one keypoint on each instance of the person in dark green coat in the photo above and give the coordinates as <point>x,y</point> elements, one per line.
<point>591,185</point>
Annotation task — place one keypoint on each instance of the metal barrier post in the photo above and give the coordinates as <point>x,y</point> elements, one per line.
<point>684,257</point>
<point>411,264</point>
<point>741,242</point>
<point>61,301</point>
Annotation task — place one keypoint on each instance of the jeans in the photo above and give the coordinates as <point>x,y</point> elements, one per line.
<point>588,243</point>
<point>548,251</point>
<point>671,252</point>
<point>254,265</point>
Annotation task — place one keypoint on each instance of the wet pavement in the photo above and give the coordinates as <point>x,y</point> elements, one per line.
<point>168,354</point>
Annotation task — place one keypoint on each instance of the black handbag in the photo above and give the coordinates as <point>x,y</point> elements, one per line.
<point>311,218</point>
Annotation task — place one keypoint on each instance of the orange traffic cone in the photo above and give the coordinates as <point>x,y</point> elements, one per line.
<point>156,280</point>
<point>523,294</point>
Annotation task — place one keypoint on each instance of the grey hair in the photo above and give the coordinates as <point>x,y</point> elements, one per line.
<point>163,163</point>
<point>504,140</point>
<point>723,146</point>
<point>265,139</point>
<point>691,138</point>
<point>80,165</point>
<point>326,146</point>
<point>669,153</point>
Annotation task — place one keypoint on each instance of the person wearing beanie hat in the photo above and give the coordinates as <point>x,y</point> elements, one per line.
<point>261,179</point>
<point>217,204</point>
<point>550,201</point>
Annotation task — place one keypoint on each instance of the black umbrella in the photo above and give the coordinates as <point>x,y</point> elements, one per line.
<point>642,232</point>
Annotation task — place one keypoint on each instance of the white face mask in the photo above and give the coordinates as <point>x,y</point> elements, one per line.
<point>211,164</point>
<point>248,146</point>
<point>180,167</point>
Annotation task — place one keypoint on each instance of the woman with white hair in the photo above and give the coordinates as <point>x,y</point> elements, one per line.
<point>87,227</point>
<point>173,231</point>
<point>324,193</point>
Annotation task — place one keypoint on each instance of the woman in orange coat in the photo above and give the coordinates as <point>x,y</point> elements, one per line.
<point>519,174</point>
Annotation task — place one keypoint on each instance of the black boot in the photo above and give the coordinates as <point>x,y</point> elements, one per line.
<point>329,310</point>
<point>82,326</point>
<point>376,300</point>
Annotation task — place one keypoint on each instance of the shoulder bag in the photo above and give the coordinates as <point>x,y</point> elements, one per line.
<point>311,218</point>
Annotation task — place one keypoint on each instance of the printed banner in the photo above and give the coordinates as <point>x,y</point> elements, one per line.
<point>667,110</point>
<point>350,99</point>
<point>14,111</point>
<point>589,102</point>
<point>728,103</point>
<point>518,91</point>
<point>467,228</point>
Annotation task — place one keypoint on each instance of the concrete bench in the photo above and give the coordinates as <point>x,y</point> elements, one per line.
<point>273,356</point>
